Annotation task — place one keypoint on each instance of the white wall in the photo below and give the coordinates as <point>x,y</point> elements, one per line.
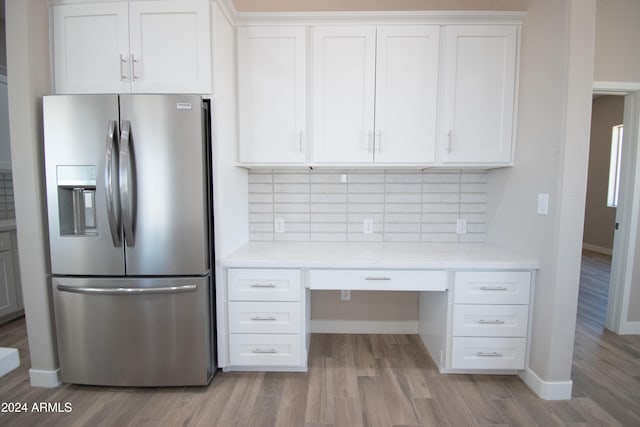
<point>551,157</point>
<point>600,219</point>
<point>617,58</point>
<point>28,74</point>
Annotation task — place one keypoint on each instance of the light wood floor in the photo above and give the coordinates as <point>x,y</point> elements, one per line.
<point>371,380</point>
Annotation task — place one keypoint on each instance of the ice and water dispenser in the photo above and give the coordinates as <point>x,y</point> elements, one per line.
<point>77,200</point>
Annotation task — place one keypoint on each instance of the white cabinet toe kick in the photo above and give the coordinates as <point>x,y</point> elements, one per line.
<point>471,321</point>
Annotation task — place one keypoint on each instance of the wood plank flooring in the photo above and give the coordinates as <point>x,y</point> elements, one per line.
<point>363,380</point>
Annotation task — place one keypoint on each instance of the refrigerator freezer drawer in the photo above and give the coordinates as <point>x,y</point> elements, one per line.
<point>134,332</point>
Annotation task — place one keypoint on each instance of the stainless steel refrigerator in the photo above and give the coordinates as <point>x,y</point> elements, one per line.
<point>130,230</point>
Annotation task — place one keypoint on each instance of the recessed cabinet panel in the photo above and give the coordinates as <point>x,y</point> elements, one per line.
<point>272,94</point>
<point>170,46</point>
<point>406,93</point>
<point>91,48</point>
<point>343,93</point>
<point>479,94</point>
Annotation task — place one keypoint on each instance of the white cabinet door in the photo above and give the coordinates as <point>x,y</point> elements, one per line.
<point>479,94</point>
<point>8,297</point>
<point>91,48</point>
<point>272,94</point>
<point>170,46</point>
<point>343,93</point>
<point>407,61</point>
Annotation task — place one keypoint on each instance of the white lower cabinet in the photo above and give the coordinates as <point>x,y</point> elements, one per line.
<point>10,295</point>
<point>264,350</point>
<point>265,319</point>
<point>490,320</point>
<point>488,353</point>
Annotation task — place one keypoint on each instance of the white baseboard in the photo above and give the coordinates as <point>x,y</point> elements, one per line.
<point>629,328</point>
<point>9,360</point>
<point>363,327</point>
<point>598,249</point>
<point>44,378</point>
<point>547,390</point>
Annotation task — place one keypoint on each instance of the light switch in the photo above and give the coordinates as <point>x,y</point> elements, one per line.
<point>543,203</point>
<point>279,225</point>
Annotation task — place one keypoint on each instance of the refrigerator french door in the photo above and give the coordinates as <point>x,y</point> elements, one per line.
<point>129,210</point>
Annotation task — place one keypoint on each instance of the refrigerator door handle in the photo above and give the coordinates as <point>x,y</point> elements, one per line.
<point>127,291</point>
<point>127,189</point>
<point>113,209</point>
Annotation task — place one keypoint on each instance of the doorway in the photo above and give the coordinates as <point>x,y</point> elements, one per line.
<point>624,292</point>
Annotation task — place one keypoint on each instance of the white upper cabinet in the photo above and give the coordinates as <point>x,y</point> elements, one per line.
<point>375,94</point>
<point>406,93</point>
<point>138,46</point>
<point>343,93</point>
<point>91,48</point>
<point>272,100</point>
<point>479,95</point>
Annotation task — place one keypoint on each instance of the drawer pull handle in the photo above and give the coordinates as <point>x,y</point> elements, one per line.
<point>263,285</point>
<point>264,350</point>
<point>491,322</point>
<point>263,318</point>
<point>492,354</point>
<point>493,288</point>
<point>377,278</point>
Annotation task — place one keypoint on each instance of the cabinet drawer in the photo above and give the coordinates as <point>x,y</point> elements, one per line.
<point>264,317</point>
<point>492,287</point>
<point>263,285</point>
<point>488,353</point>
<point>5,241</point>
<point>383,280</point>
<point>264,350</point>
<point>490,320</point>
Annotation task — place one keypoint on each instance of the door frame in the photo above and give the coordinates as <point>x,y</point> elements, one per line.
<point>628,210</point>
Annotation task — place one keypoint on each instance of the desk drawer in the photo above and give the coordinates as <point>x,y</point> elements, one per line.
<point>264,350</point>
<point>264,317</point>
<point>488,353</point>
<point>492,287</point>
<point>379,280</point>
<point>5,241</point>
<point>263,285</point>
<point>490,320</point>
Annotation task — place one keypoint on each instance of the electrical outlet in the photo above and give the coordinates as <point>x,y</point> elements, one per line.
<point>543,204</point>
<point>279,225</point>
<point>367,226</point>
<point>345,295</point>
<point>461,226</point>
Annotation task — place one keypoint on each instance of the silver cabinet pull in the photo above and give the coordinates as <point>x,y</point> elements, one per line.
<point>491,322</point>
<point>264,350</point>
<point>493,288</point>
<point>264,318</point>
<point>262,285</point>
<point>113,200</point>
<point>300,139</point>
<point>378,141</point>
<point>127,291</point>
<point>134,62</point>
<point>377,278</point>
<point>492,354</point>
<point>123,62</point>
<point>449,141</point>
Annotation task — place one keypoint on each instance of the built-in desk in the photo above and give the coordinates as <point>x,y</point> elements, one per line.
<point>474,300</point>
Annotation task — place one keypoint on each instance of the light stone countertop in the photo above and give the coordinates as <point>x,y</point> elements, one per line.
<point>376,256</point>
<point>7,224</point>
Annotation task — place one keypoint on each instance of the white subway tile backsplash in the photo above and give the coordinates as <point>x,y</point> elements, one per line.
<point>260,188</point>
<point>330,205</point>
<point>260,178</point>
<point>291,198</point>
